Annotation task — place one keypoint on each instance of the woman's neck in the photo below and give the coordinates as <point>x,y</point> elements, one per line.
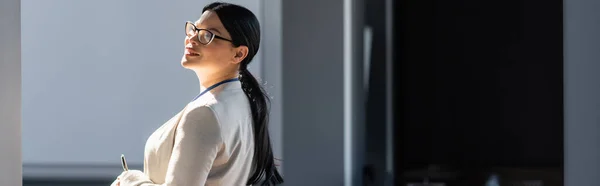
<point>209,79</point>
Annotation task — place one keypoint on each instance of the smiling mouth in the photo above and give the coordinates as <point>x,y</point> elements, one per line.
<point>189,52</point>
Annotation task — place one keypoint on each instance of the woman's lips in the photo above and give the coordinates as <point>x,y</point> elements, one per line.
<point>191,52</point>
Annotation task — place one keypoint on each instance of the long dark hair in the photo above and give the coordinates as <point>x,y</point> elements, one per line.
<point>244,29</point>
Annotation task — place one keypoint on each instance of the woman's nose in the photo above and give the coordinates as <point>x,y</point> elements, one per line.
<point>192,39</point>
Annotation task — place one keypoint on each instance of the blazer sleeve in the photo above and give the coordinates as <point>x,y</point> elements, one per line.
<point>197,141</point>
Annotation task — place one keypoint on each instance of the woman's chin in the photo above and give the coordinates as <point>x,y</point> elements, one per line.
<point>186,64</point>
<point>189,61</point>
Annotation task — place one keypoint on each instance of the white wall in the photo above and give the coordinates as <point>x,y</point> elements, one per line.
<point>10,93</point>
<point>100,76</point>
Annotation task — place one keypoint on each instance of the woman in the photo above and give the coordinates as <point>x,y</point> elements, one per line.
<point>221,137</point>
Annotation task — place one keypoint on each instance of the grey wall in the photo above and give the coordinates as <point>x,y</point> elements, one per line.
<point>312,74</point>
<point>322,79</point>
<point>10,92</point>
<point>582,92</point>
<point>271,47</point>
<point>102,75</point>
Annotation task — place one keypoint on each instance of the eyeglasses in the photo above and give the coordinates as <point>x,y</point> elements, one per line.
<point>204,36</point>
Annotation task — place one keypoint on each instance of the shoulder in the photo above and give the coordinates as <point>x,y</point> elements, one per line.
<point>200,112</point>
<point>200,118</point>
<point>224,109</point>
<point>198,128</point>
<point>205,109</point>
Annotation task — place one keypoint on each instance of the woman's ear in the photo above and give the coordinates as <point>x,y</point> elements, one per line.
<point>240,54</point>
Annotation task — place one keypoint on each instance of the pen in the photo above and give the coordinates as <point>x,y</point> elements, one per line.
<point>124,163</point>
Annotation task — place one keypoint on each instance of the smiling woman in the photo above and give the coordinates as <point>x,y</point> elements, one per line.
<point>221,137</point>
<point>103,86</point>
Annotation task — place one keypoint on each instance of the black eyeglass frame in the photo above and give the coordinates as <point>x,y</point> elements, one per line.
<point>197,31</point>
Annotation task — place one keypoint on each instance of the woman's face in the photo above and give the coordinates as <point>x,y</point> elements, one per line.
<point>216,55</point>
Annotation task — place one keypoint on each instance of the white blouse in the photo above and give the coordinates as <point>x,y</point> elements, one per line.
<point>210,142</point>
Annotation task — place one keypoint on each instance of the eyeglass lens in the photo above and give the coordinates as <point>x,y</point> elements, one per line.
<point>204,36</point>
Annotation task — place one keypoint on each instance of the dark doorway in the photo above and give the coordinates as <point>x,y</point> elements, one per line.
<point>478,89</point>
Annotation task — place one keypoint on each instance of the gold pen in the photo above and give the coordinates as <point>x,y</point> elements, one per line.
<point>124,163</point>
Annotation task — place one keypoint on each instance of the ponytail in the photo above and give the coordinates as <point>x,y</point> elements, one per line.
<point>263,163</point>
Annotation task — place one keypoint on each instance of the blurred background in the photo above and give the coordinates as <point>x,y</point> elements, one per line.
<point>364,92</point>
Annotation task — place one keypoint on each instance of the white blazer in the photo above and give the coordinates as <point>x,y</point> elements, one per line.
<point>210,142</point>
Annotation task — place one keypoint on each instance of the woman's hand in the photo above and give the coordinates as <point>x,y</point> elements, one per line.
<point>132,177</point>
<point>117,182</point>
